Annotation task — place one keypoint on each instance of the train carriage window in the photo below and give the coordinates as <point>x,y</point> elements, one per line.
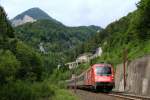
<point>103,71</point>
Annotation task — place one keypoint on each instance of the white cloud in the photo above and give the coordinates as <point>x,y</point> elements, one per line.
<point>75,12</point>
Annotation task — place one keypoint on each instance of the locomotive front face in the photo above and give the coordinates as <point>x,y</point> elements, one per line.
<point>104,75</point>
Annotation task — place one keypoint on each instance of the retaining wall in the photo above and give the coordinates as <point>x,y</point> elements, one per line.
<point>137,76</point>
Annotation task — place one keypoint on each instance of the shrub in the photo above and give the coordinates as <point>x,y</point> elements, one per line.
<point>26,91</point>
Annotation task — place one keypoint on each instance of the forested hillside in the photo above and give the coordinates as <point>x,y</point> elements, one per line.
<point>16,56</point>
<point>55,37</point>
<point>23,70</point>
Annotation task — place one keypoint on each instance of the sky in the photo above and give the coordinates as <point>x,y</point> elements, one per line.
<point>75,12</point>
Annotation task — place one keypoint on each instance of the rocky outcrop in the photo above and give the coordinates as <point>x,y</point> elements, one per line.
<point>137,76</point>
<point>25,19</point>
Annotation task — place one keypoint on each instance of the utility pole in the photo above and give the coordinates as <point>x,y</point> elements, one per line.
<point>75,66</point>
<point>75,83</point>
<point>124,66</point>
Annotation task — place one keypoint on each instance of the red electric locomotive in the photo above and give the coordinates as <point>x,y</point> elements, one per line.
<point>97,77</point>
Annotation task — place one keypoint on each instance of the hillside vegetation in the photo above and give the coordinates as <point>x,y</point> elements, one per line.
<point>131,32</point>
<point>56,37</point>
<point>23,70</point>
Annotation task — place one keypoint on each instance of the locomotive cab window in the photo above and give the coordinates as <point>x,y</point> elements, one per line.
<point>103,71</point>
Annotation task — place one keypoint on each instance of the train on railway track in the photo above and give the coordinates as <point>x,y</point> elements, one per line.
<point>99,77</point>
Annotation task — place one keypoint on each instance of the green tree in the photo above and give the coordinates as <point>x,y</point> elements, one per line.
<point>9,65</point>
<point>6,31</point>
<point>5,27</point>
<point>31,62</point>
<point>143,25</point>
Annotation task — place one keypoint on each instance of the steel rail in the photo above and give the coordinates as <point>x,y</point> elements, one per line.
<point>129,96</point>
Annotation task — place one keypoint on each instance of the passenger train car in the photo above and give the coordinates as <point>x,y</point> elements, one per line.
<point>97,77</point>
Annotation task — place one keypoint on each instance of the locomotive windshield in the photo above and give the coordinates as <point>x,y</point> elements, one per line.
<point>103,71</point>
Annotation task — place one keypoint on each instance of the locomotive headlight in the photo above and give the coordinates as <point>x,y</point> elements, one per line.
<point>112,77</point>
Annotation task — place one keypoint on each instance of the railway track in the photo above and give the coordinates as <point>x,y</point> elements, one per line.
<point>89,95</point>
<point>129,96</point>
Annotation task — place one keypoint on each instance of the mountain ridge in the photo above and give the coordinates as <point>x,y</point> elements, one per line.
<point>34,13</point>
